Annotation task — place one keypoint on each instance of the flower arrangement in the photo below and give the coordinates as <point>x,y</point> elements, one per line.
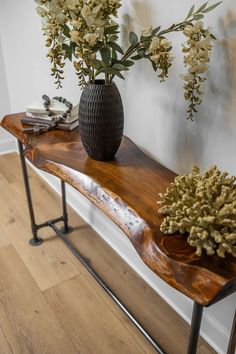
<point>86,32</point>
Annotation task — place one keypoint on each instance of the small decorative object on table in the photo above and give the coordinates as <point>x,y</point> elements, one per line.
<point>203,207</point>
<point>47,114</point>
<point>86,32</point>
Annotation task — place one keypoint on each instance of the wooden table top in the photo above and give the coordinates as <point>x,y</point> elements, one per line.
<point>126,190</point>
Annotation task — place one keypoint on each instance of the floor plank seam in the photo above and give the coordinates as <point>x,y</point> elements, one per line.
<point>8,343</point>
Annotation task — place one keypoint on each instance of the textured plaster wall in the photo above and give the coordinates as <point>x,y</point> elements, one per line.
<point>154,115</point>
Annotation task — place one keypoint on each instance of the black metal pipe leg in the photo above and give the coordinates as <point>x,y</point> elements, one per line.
<point>35,241</point>
<point>66,229</point>
<point>232,340</point>
<point>195,328</point>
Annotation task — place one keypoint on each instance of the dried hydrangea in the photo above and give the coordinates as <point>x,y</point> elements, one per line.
<point>197,51</point>
<point>203,206</point>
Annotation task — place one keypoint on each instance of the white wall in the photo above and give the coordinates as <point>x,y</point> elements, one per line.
<point>6,141</point>
<point>154,118</point>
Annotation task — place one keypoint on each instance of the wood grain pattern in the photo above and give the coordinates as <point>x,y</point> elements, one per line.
<point>126,190</point>
<point>158,317</point>
<point>48,264</point>
<point>25,317</point>
<point>92,327</point>
<point>5,347</point>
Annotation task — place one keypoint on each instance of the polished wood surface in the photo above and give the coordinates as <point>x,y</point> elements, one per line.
<point>60,318</point>
<point>126,190</point>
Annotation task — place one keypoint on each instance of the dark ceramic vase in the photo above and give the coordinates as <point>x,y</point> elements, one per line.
<point>101,120</point>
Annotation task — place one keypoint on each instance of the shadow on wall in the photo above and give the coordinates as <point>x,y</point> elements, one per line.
<point>219,103</point>
<point>166,134</point>
<point>226,52</point>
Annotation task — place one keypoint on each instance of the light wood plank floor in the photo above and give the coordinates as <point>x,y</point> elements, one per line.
<point>50,304</point>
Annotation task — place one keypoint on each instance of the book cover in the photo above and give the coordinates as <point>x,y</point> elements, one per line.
<point>56,107</point>
<point>60,126</point>
<point>45,118</point>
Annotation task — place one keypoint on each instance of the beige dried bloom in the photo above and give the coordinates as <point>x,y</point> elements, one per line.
<point>160,55</point>
<point>86,32</point>
<point>197,51</point>
<point>203,206</point>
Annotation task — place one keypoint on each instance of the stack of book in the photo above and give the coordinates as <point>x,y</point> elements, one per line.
<point>36,115</point>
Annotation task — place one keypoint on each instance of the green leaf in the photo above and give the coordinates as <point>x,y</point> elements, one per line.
<point>212,7</point>
<point>111,71</point>
<point>136,57</point>
<point>98,46</point>
<point>114,55</point>
<point>66,31</point>
<point>120,67</point>
<point>202,7</point>
<point>156,30</point>
<point>111,29</point>
<point>142,52</point>
<point>96,64</point>
<point>116,47</point>
<point>191,11</point>
<point>133,38</point>
<point>68,51</point>
<point>198,17</point>
<point>154,66</point>
<point>113,38</point>
<point>128,63</point>
<point>106,55</point>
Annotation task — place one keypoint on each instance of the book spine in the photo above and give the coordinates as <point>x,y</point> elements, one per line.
<point>60,126</point>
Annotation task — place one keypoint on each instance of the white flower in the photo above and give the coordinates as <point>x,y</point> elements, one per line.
<point>188,30</point>
<point>85,12</point>
<point>198,26</point>
<point>75,36</point>
<point>91,38</point>
<point>197,50</point>
<point>154,44</point>
<point>165,44</point>
<point>147,32</point>
<point>41,11</point>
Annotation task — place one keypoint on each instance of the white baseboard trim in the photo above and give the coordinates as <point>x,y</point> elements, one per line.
<point>213,331</point>
<point>7,145</point>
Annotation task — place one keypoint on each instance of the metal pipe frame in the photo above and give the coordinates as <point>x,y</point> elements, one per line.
<point>61,233</point>
<point>195,328</point>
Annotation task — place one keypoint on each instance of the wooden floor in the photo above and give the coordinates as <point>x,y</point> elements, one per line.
<point>50,304</point>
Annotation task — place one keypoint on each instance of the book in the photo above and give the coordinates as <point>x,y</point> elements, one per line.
<point>60,126</point>
<point>45,117</point>
<point>58,108</point>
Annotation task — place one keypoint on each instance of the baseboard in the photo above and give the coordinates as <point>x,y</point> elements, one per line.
<point>213,331</point>
<point>7,145</point>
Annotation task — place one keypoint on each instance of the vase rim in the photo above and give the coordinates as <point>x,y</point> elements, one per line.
<point>101,82</point>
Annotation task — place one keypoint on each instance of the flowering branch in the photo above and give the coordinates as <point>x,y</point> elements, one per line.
<point>86,33</point>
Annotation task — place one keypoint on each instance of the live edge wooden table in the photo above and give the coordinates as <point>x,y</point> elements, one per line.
<point>126,190</point>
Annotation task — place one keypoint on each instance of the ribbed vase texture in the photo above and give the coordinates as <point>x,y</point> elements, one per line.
<point>101,120</point>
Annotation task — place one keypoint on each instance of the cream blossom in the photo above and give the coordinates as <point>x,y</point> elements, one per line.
<point>41,11</point>
<point>91,38</point>
<point>197,57</point>
<point>87,31</point>
<point>147,32</point>
<point>160,55</point>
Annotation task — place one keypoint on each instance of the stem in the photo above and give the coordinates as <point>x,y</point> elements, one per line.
<point>139,45</point>
<point>107,79</point>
